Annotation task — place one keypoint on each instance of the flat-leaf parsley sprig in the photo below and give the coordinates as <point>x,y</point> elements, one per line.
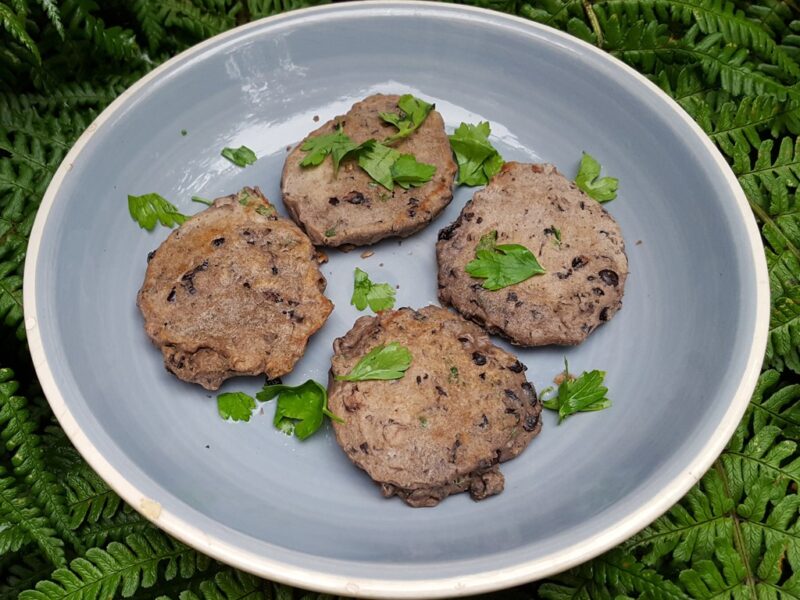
<point>149,209</point>
<point>241,156</point>
<point>585,393</point>
<point>384,362</point>
<point>502,265</point>
<point>413,113</point>
<point>478,161</point>
<point>235,406</point>
<point>602,189</point>
<point>378,296</point>
<point>300,409</point>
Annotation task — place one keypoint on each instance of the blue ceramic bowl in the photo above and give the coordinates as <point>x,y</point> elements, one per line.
<point>682,356</point>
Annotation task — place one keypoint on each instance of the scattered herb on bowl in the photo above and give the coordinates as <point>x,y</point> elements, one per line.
<point>585,393</point>
<point>149,209</point>
<point>378,296</point>
<point>300,409</point>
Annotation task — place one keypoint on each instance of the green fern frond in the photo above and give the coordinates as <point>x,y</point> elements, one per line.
<point>782,170</point>
<point>689,528</point>
<point>783,346</point>
<point>20,7</point>
<point>16,220</point>
<point>11,298</point>
<point>18,432</point>
<point>58,132</point>
<point>62,456</point>
<point>648,46</point>
<point>116,42</point>
<point>686,86</point>
<point>742,124</point>
<point>609,576</point>
<point>32,152</point>
<point>12,538</point>
<point>555,13</point>
<point>744,497</point>
<point>17,510</point>
<point>11,23</point>
<point>716,17</point>
<point>790,39</point>
<point>728,576</point>
<point>230,585</point>
<point>774,405</point>
<point>762,456</point>
<point>148,13</point>
<point>121,568</point>
<point>89,498</point>
<point>23,574</point>
<point>70,97</point>
<point>51,10</point>
<point>198,23</point>
<point>772,15</point>
<point>115,528</point>
<point>770,183</point>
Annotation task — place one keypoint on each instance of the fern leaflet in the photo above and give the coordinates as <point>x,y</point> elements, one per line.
<point>17,510</point>
<point>121,568</point>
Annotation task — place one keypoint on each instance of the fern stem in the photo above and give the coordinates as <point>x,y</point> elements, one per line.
<point>776,417</point>
<point>28,158</point>
<point>738,539</point>
<point>763,463</point>
<point>590,14</point>
<point>677,531</point>
<point>14,294</point>
<point>722,133</point>
<point>765,219</point>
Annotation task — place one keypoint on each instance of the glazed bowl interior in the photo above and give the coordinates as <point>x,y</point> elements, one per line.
<point>681,356</point>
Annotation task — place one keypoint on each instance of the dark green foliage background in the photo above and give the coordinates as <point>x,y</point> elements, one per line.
<point>734,65</point>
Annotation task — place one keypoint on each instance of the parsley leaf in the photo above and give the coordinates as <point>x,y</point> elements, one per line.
<point>338,144</point>
<point>488,242</point>
<point>583,394</point>
<point>407,172</point>
<point>149,209</point>
<point>300,408</point>
<point>379,296</point>
<point>502,265</point>
<point>236,406</point>
<point>202,200</point>
<point>477,159</point>
<point>588,179</point>
<point>413,112</point>
<point>266,211</point>
<point>384,164</point>
<point>388,361</point>
<point>377,160</point>
<point>241,156</point>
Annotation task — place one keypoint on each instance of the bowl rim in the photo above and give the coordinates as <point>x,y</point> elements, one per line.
<point>474,583</point>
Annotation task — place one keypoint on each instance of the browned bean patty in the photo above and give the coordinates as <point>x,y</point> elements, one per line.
<point>463,406</point>
<point>350,209</point>
<point>533,205</point>
<point>235,290</point>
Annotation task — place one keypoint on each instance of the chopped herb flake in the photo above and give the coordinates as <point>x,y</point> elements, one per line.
<point>241,156</point>
<point>149,209</point>
<point>602,189</point>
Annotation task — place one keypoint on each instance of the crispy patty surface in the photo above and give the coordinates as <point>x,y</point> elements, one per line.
<point>463,406</point>
<point>575,240</point>
<point>235,290</point>
<point>349,209</point>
